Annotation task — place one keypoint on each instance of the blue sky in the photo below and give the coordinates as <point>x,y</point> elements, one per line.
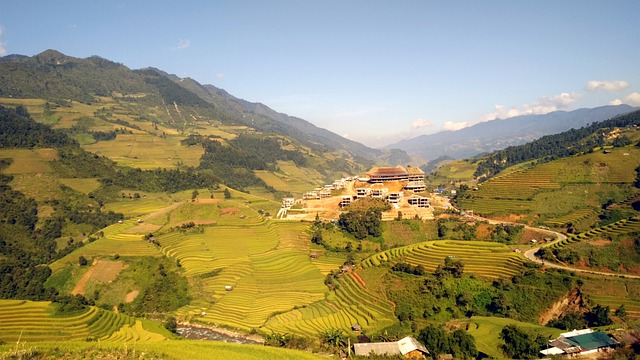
<point>373,71</point>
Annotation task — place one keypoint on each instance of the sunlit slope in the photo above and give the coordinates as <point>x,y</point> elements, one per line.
<point>487,259</point>
<point>558,188</point>
<point>36,321</point>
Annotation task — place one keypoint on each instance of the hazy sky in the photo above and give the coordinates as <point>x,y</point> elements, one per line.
<point>373,71</point>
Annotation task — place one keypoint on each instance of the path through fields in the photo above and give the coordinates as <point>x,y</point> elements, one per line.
<point>530,254</point>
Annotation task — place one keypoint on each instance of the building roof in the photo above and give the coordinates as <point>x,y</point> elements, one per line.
<point>414,170</point>
<point>400,347</point>
<point>387,171</point>
<point>591,341</point>
<point>576,332</point>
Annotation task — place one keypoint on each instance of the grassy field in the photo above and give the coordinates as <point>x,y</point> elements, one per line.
<point>486,331</point>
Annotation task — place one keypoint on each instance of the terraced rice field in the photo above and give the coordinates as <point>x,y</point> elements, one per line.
<point>35,321</point>
<point>487,259</point>
<point>267,265</point>
<point>351,303</point>
<point>614,292</point>
<point>571,218</point>
<point>621,227</point>
<point>168,349</point>
<point>518,191</point>
<point>147,151</point>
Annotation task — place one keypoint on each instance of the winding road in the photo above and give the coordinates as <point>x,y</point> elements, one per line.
<point>530,254</point>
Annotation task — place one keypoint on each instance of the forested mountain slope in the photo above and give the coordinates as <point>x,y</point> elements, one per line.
<point>52,75</point>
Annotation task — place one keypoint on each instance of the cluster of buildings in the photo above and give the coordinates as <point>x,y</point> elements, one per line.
<point>386,183</point>
<point>325,192</point>
<point>579,343</point>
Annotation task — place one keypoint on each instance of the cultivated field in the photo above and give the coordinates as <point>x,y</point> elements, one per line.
<point>563,189</point>
<point>487,259</point>
<point>173,349</point>
<point>36,321</point>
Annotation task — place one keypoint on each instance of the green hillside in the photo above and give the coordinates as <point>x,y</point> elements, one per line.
<point>131,198</point>
<point>560,191</point>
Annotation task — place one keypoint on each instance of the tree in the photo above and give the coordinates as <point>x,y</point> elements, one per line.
<point>460,344</point>
<point>599,316</point>
<point>333,338</point>
<point>519,344</point>
<point>82,260</point>
<point>317,237</point>
<point>171,324</point>
<point>194,195</point>
<point>463,345</point>
<point>621,312</point>
<point>227,194</point>
<point>435,339</point>
<point>450,267</point>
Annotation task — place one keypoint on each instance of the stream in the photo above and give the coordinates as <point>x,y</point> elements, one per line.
<point>198,333</point>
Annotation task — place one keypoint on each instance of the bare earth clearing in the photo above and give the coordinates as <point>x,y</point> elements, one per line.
<point>131,296</point>
<point>101,270</point>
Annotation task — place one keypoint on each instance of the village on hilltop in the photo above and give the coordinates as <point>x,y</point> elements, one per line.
<point>402,187</point>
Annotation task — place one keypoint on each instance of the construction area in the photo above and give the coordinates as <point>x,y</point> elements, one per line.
<point>403,188</point>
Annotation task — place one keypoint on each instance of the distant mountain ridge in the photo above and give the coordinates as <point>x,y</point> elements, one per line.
<point>53,75</point>
<point>499,134</point>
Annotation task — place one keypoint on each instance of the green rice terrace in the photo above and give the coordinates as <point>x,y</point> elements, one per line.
<point>559,190</point>
<point>490,260</point>
<point>37,321</point>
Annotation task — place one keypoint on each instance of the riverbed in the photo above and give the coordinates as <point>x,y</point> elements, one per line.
<point>201,333</point>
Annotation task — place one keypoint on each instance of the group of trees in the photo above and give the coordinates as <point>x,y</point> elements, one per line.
<point>361,223</point>
<point>520,344</point>
<point>457,343</point>
<point>596,316</point>
<point>19,130</point>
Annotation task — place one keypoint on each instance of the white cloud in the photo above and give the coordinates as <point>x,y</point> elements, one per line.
<point>220,75</point>
<point>182,44</point>
<point>453,126</point>
<point>633,99</point>
<point>616,85</point>
<point>615,102</point>
<point>543,105</point>
<point>420,123</point>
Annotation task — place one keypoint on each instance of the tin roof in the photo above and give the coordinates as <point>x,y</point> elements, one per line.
<point>400,347</point>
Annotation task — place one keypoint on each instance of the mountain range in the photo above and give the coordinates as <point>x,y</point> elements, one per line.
<point>499,134</point>
<point>54,76</point>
